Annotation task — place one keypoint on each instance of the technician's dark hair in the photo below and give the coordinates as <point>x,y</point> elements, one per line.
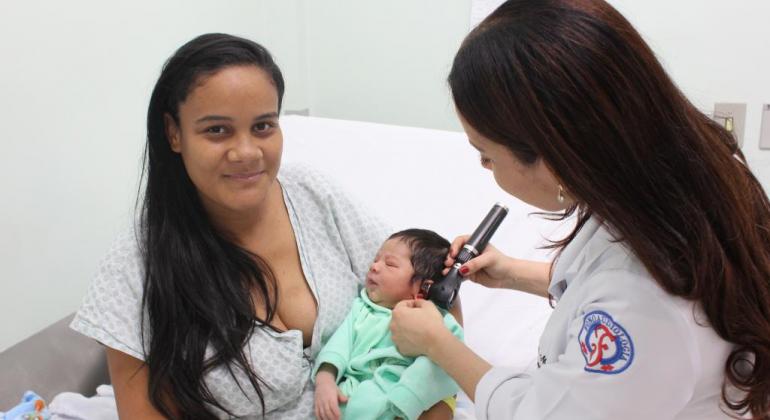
<point>198,284</point>
<point>571,82</point>
<point>429,250</point>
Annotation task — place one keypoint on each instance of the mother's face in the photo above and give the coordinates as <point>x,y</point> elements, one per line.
<point>229,138</point>
<point>533,184</point>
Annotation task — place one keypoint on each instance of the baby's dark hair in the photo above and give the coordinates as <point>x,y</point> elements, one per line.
<point>428,249</point>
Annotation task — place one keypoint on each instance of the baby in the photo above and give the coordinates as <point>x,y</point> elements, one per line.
<point>360,366</point>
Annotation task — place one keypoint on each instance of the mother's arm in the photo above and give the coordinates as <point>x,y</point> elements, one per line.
<point>439,411</point>
<point>129,377</point>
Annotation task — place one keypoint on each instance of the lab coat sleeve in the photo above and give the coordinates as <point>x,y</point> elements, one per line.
<point>656,383</point>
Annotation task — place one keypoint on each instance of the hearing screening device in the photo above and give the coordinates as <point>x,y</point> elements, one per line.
<point>444,291</point>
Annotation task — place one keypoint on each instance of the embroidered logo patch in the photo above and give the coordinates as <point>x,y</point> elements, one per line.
<point>605,344</point>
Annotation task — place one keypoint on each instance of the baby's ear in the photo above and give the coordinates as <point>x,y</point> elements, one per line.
<point>416,285</point>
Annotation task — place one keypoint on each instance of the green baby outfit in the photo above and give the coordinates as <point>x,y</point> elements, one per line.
<point>380,382</point>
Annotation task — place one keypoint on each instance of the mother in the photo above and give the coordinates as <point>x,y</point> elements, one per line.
<point>239,270</point>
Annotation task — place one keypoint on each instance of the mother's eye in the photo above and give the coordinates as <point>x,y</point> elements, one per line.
<point>263,126</point>
<point>216,129</point>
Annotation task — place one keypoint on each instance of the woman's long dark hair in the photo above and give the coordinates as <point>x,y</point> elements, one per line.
<point>198,283</point>
<point>571,82</point>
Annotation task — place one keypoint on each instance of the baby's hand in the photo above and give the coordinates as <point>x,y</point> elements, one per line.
<point>327,397</point>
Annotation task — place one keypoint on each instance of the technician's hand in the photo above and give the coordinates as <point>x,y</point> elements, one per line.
<point>490,269</point>
<point>416,327</point>
<point>327,397</point>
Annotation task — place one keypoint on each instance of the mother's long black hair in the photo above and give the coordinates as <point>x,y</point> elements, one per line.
<point>198,284</point>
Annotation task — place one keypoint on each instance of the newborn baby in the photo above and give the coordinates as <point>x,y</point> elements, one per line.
<point>359,373</point>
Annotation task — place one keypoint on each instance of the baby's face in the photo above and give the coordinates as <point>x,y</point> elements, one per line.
<point>389,280</point>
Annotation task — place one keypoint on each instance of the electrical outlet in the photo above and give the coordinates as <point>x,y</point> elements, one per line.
<point>764,133</point>
<point>732,116</point>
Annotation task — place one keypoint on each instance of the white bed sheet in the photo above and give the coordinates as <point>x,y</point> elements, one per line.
<point>415,177</point>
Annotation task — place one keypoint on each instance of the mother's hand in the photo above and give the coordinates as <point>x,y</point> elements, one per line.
<point>416,326</point>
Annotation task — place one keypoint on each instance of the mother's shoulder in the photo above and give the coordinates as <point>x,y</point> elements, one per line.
<point>301,173</point>
<point>127,244</point>
<point>301,178</point>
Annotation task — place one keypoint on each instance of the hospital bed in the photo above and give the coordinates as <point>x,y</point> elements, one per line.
<point>411,177</point>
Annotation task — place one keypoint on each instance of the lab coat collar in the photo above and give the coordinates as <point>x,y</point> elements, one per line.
<point>592,240</point>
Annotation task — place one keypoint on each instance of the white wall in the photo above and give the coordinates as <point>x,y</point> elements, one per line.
<point>76,75</point>
<point>384,61</point>
<point>388,62</point>
<point>74,84</point>
<point>716,51</point>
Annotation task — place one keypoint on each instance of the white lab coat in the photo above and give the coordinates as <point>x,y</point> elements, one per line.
<point>651,359</point>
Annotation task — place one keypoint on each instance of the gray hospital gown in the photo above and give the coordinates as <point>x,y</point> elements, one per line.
<point>336,242</point>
